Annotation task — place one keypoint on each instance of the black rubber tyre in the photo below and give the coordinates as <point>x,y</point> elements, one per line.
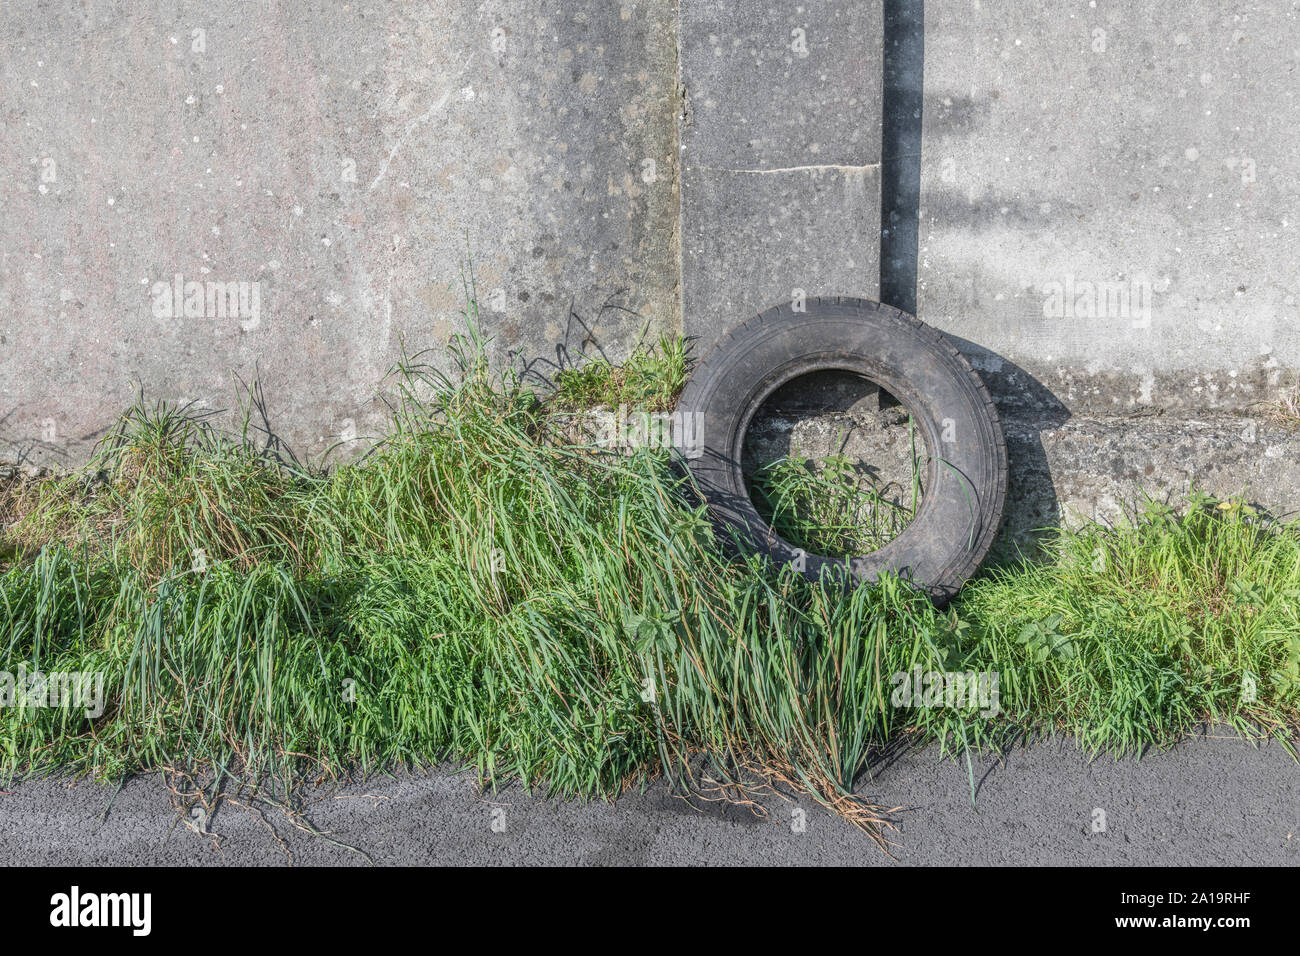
<point>965,477</point>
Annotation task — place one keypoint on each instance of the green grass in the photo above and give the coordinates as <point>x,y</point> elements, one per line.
<point>833,506</point>
<point>649,380</point>
<point>481,589</point>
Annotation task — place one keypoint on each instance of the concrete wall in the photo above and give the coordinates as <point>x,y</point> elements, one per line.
<point>345,159</point>
<point>780,148</point>
<point>1108,225</point>
<point>1095,200</point>
<point>1097,150</point>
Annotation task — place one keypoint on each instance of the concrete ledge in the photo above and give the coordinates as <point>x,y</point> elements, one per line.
<point>1065,471</point>
<point>1089,468</point>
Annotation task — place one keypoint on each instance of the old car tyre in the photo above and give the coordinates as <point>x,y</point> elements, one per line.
<point>964,472</point>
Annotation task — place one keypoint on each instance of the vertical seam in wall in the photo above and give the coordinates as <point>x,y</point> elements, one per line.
<point>679,115</point>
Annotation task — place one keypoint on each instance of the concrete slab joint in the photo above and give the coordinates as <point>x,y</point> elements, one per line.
<point>780,158</point>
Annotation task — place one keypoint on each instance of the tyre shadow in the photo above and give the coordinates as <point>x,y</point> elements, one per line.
<point>1025,406</point>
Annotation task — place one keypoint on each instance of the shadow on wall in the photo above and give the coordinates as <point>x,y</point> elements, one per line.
<point>1032,508</point>
<point>900,169</point>
<point>1025,405</point>
<point>21,452</point>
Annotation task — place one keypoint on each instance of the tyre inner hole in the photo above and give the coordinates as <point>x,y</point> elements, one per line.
<point>834,464</point>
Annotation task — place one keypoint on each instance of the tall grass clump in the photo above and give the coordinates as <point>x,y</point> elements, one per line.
<point>1132,634</point>
<point>477,588</point>
<point>485,588</point>
<point>832,508</point>
<point>649,380</point>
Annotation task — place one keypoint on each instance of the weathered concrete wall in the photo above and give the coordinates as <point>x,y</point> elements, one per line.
<point>780,149</point>
<point>1108,197</point>
<point>1094,199</point>
<point>1108,228</point>
<point>341,161</point>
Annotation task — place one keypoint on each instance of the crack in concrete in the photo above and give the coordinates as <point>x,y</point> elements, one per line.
<point>415,123</point>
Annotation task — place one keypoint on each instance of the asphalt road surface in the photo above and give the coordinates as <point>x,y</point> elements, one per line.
<point>1213,799</point>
